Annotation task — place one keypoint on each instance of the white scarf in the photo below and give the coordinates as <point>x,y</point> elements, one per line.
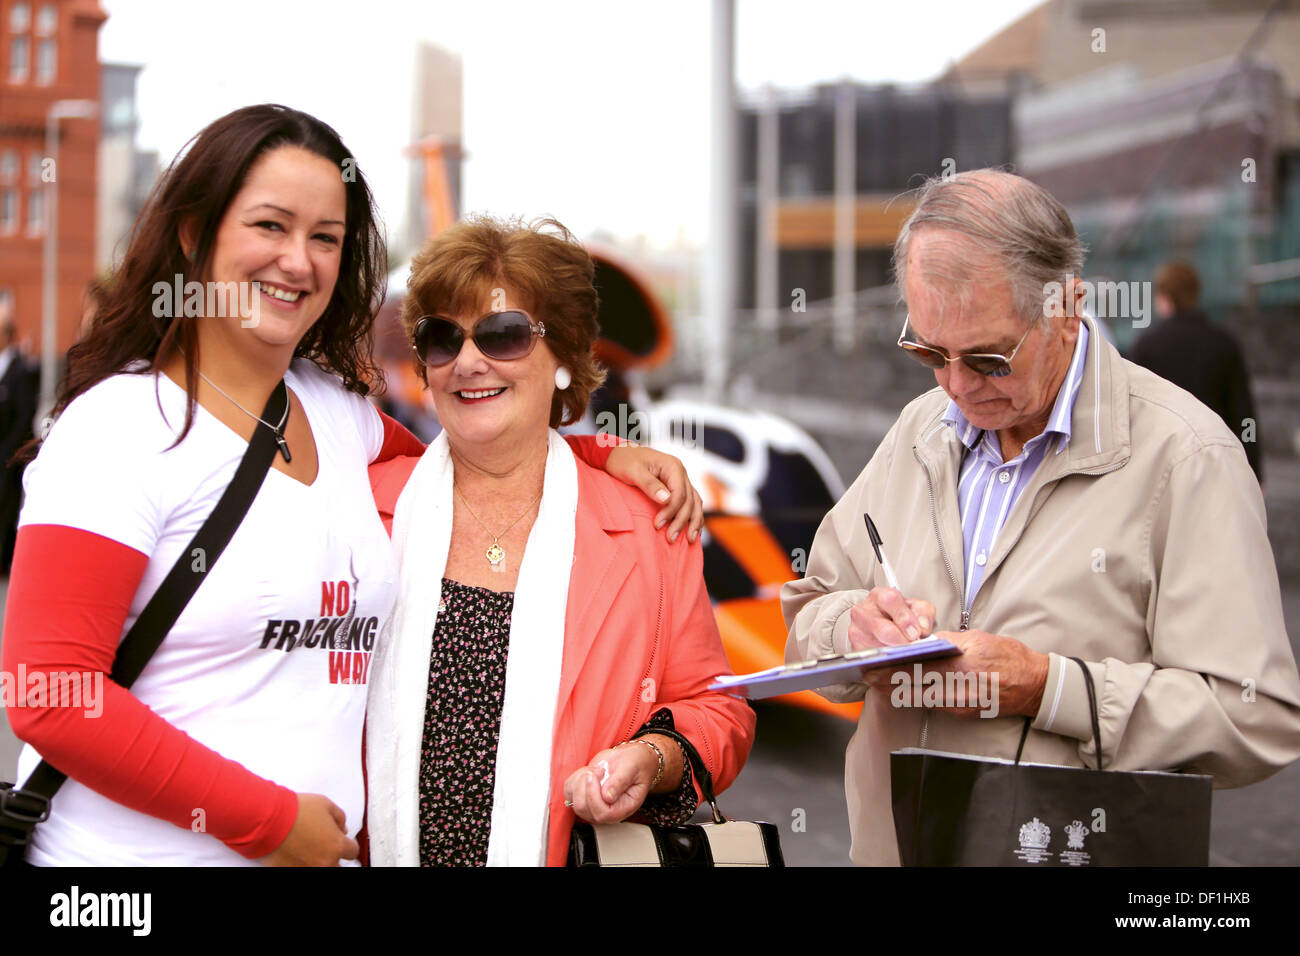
<point>399,677</point>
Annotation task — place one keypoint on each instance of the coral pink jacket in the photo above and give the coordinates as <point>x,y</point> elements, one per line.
<point>639,636</point>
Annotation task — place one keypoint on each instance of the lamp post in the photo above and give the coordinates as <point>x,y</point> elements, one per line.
<point>59,109</point>
<point>720,264</point>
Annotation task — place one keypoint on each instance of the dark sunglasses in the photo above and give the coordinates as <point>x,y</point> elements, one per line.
<point>986,363</point>
<point>503,336</point>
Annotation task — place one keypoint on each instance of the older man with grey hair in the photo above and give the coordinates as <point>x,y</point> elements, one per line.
<point>1048,501</point>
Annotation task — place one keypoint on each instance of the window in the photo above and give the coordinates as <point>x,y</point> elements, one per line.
<point>47,61</point>
<point>34,169</point>
<point>8,211</point>
<point>117,115</point>
<point>798,180</point>
<point>36,212</point>
<point>20,16</point>
<point>47,19</point>
<point>8,166</point>
<point>18,59</point>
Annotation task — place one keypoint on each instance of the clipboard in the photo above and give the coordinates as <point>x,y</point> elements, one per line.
<point>809,675</point>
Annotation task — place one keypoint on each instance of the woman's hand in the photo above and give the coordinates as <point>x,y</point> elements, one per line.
<point>318,837</point>
<point>613,785</point>
<point>663,478</point>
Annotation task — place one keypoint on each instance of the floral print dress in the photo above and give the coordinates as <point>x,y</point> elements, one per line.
<point>462,723</point>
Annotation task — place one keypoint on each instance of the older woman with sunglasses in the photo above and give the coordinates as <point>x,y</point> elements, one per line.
<point>543,629</point>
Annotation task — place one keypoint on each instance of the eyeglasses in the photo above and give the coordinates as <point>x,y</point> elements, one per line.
<point>986,363</point>
<point>503,336</point>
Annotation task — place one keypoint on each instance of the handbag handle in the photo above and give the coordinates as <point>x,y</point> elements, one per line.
<point>697,765</point>
<point>165,606</point>
<point>1092,707</point>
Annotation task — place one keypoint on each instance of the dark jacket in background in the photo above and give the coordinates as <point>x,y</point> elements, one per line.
<point>1194,353</point>
<point>18,388</point>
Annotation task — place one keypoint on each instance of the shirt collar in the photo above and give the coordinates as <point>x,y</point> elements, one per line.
<point>1058,423</point>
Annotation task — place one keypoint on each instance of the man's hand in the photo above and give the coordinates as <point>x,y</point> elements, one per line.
<point>886,618</point>
<point>1020,672</point>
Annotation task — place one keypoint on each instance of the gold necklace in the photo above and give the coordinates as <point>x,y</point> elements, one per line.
<point>495,554</point>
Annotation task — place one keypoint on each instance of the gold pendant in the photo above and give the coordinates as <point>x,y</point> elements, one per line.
<point>495,554</point>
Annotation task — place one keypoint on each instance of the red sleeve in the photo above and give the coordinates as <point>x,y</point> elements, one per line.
<point>594,449</point>
<point>71,621</point>
<point>387,480</point>
<point>398,441</point>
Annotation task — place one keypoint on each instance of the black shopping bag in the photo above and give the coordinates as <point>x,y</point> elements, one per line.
<point>952,810</point>
<point>957,810</point>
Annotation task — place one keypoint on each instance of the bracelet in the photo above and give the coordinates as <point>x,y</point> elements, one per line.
<point>658,753</point>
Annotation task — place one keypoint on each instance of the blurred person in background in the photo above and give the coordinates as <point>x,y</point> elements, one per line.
<point>1186,348</point>
<point>18,386</point>
<point>544,632</point>
<point>240,742</point>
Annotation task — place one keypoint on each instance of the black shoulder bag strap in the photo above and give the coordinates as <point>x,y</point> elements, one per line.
<point>22,809</point>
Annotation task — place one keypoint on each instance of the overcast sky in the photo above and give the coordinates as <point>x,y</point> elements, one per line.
<point>594,112</point>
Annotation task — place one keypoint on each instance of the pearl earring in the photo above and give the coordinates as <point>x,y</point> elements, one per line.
<point>563,379</point>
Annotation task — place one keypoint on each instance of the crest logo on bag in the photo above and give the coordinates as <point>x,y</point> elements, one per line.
<point>1034,837</point>
<point>1073,854</point>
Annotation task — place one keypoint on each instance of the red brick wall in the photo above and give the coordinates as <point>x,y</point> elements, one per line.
<point>24,104</point>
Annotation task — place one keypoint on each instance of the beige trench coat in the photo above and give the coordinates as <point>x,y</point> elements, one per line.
<point>1140,548</point>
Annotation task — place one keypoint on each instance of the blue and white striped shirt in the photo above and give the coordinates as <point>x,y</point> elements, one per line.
<point>988,488</point>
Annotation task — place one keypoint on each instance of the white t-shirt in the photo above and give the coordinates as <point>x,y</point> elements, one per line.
<point>249,669</point>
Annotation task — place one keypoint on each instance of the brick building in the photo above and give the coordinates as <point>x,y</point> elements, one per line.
<point>49,51</point>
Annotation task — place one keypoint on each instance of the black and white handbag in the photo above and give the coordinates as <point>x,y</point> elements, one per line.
<point>720,843</point>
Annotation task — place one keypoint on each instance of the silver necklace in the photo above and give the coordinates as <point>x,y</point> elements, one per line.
<point>277,430</point>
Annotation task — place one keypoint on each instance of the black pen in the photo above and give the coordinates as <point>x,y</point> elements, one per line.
<point>878,546</point>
